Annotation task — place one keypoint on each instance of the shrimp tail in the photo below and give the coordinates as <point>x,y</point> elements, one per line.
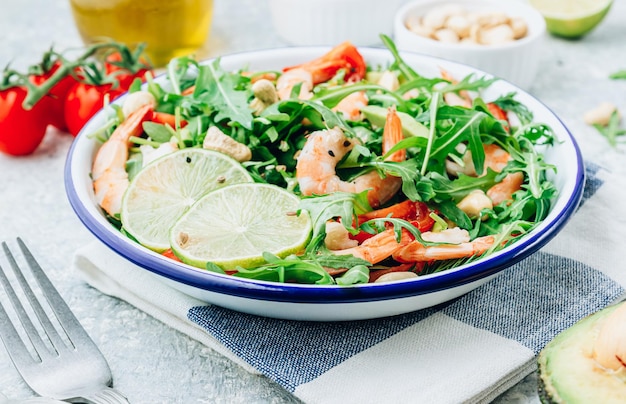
<point>417,252</point>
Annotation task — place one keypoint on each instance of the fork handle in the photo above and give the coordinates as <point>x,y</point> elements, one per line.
<point>107,395</point>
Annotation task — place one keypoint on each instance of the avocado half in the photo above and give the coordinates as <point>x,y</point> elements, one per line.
<point>586,363</point>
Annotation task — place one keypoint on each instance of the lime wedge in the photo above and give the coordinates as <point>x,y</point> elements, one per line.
<point>233,226</point>
<point>165,189</point>
<point>572,18</point>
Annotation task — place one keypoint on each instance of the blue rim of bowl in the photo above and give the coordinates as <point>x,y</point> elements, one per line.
<point>324,294</point>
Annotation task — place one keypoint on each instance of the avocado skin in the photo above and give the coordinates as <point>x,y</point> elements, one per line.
<point>544,396</point>
<point>567,372</point>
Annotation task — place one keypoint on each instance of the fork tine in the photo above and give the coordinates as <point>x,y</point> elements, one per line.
<point>68,321</point>
<point>13,342</point>
<point>24,318</point>
<point>44,320</point>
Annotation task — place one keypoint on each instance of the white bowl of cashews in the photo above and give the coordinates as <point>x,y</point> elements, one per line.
<point>330,22</point>
<point>501,37</point>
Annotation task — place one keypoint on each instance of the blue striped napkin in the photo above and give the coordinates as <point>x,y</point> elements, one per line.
<point>468,350</point>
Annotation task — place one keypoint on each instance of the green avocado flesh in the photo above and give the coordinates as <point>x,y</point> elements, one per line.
<point>568,373</point>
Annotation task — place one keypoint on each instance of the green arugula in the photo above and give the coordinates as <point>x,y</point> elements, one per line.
<point>218,89</point>
<point>612,131</point>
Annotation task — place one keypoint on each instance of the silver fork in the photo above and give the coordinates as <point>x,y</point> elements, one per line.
<point>61,362</point>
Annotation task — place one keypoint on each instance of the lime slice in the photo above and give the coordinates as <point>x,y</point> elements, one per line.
<point>165,189</point>
<point>572,18</point>
<point>233,226</point>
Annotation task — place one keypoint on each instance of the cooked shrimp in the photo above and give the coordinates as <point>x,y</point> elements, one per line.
<point>322,151</point>
<point>288,80</point>
<point>110,178</point>
<point>417,252</point>
<point>352,105</point>
<point>504,190</point>
<point>462,99</point>
<point>496,158</point>
<point>379,247</point>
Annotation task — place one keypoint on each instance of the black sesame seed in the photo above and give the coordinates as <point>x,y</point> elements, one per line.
<point>188,159</point>
<point>331,153</point>
<point>346,143</point>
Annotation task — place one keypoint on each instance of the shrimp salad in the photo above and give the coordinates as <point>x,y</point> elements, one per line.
<point>403,175</point>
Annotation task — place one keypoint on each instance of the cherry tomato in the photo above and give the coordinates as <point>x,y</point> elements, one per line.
<point>54,100</point>
<point>125,71</point>
<point>170,254</point>
<point>343,56</point>
<point>84,100</point>
<point>417,213</point>
<point>21,131</point>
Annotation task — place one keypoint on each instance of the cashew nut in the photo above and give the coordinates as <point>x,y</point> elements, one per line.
<point>337,237</point>
<point>265,94</point>
<point>474,203</point>
<point>600,115</point>
<point>446,35</point>
<point>453,24</point>
<point>496,35</point>
<point>396,276</point>
<point>217,140</point>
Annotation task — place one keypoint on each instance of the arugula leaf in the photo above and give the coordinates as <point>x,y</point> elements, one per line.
<point>355,275</point>
<point>320,116</point>
<point>620,74</point>
<point>308,269</point>
<point>331,96</point>
<point>342,205</point>
<point>458,188</point>
<point>216,88</point>
<point>404,68</point>
<point>612,131</point>
<point>468,84</point>
<point>508,103</point>
<point>449,209</point>
<point>413,185</point>
<point>335,260</point>
<point>290,269</point>
<point>465,127</point>
<point>157,132</point>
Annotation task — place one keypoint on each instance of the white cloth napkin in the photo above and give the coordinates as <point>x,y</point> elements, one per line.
<point>469,350</point>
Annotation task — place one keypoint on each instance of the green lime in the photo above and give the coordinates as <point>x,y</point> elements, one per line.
<point>165,189</point>
<point>572,18</point>
<point>233,226</point>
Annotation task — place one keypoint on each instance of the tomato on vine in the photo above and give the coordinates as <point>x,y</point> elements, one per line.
<point>21,130</point>
<point>54,99</point>
<point>127,66</point>
<point>63,93</point>
<point>86,98</point>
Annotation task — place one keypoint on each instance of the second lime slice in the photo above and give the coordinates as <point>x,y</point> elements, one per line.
<point>233,226</point>
<point>166,188</point>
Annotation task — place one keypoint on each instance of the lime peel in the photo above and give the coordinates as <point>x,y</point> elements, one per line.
<point>572,18</point>
<point>233,226</point>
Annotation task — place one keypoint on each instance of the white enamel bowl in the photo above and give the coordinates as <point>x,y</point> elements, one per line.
<point>334,303</point>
